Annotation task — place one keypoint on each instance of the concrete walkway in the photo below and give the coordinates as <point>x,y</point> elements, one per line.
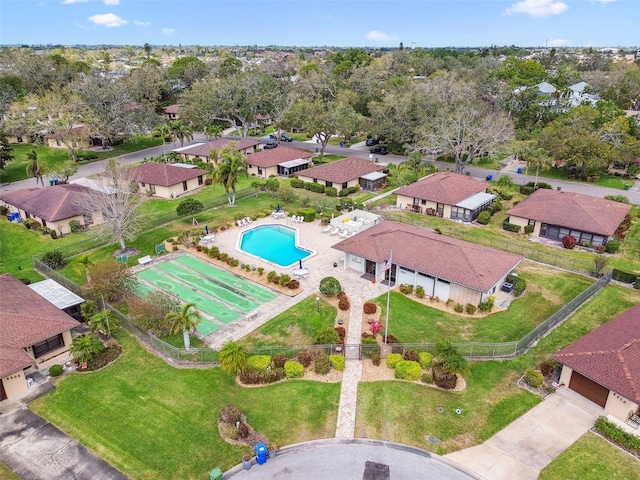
<point>527,445</point>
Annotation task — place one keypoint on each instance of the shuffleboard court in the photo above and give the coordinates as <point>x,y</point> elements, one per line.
<point>245,286</point>
<point>217,291</point>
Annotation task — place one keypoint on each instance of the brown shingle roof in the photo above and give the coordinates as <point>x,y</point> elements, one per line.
<point>51,203</point>
<point>468,264</point>
<point>165,175</point>
<point>26,318</point>
<point>274,156</point>
<point>609,355</point>
<point>572,210</point>
<point>342,171</point>
<point>204,149</point>
<point>172,109</point>
<point>444,187</point>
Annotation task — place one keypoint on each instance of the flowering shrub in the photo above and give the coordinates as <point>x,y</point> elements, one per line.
<point>376,326</point>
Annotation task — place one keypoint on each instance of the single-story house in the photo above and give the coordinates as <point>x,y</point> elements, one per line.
<point>446,195</point>
<point>554,214</point>
<point>81,136</point>
<point>202,150</point>
<point>445,267</point>
<point>604,365</point>
<point>35,335</point>
<point>54,207</point>
<point>60,296</point>
<point>282,161</point>
<point>172,112</point>
<point>168,181</point>
<point>349,172</point>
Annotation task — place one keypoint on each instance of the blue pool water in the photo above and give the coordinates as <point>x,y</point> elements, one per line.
<point>274,243</point>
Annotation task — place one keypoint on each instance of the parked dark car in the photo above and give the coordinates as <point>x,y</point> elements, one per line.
<point>283,138</point>
<point>371,141</point>
<point>270,144</point>
<point>380,150</point>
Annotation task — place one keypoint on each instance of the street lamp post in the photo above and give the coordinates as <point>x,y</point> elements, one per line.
<point>318,304</point>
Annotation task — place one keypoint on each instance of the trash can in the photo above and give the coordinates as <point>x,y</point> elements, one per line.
<point>215,474</point>
<point>261,453</point>
<point>559,188</point>
<point>519,170</point>
<point>489,177</point>
<point>627,186</point>
<point>342,144</point>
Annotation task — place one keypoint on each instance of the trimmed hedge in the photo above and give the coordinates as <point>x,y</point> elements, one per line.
<point>55,370</point>
<point>322,365</point>
<point>617,435</point>
<point>408,370</point>
<point>315,187</point>
<point>330,286</point>
<point>293,369</point>
<point>534,378</point>
<point>510,227</point>
<point>484,218</point>
<point>425,360</point>
<point>331,191</point>
<point>297,183</point>
<point>309,214</point>
<point>337,362</point>
<point>393,359</point>
<point>259,362</point>
<point>624,277</point>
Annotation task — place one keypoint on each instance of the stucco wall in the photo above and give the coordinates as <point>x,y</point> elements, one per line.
<point>176,189</point>
<point>266,171</point>
<point>15,384</point>
<point>619,406</point>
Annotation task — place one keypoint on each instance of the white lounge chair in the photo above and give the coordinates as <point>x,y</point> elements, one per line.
<point>345,233</point>
<point>334,230</point>
<point>248,219</point>
<point>326,229</point>
<point>239,222</point>
<point>351,234</point>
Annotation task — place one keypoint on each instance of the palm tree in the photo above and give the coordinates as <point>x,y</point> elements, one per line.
<point>447,364</point>
<point>85,348</point>
<point>232,167</point>
<point>212,131</point>
<point>33,167</point>
<point>181,131</point>
<point>233,357</point>
<point>104,322</point>
<point>164,132</point>
<point>186,320</point>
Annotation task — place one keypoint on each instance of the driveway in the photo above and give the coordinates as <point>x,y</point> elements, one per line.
<point>36,450</point>
<point>523,448</point>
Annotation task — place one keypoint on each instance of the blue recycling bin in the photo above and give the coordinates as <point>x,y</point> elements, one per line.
<point>519,169</point>
<point>489,177</point>
<point>261,453</point>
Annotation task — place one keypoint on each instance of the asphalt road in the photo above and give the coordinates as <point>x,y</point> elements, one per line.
<point>362,152</point>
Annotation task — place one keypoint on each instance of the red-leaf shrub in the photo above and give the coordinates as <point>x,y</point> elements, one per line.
<point>569,242</point>
<point>370,308</point>
<point>305,358</point>
<point>343,304</point>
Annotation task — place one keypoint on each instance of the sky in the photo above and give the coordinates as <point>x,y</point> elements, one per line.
<point>341,23</point>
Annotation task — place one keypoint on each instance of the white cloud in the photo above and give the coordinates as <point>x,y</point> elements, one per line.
<point>603,1</point>
<point>168,31</point>
<point>69,2</point>
<point>112,2</point>
<point>558,42</point>
<point>378,36</point>
<point>140,23</point>
<point>108,20</point>
<point>537,8</point>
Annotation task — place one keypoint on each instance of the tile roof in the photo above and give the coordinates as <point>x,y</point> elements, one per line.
<point>444,187</point>
<point>342,171</point>
<point>26,318</point>
<point>417,248</point>
<point>163,174</point>
<point>204,149</point>
<point>572,210</point>
<point>275,156</point>
<point>609,355</point>
<point>50,203</point>
<point>173,108</point>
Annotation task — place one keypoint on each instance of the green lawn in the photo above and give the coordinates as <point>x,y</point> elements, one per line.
<point>609,181</point>
<point>592,458</point>
<point>547,291</point>
<point>297,326</point>
<point>6,474</point>
<point>151,420</point>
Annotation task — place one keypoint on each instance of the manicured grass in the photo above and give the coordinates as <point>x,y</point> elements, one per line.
<point>177,340</point>
<point>6,474</point>
<point>327,158</point>
<point>413,322</point>
<point>151,420</point>
<point>610,181</point>
<point>592,458</point>
<point>297,326</point>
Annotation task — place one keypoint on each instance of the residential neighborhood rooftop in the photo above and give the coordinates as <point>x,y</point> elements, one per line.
<point>163,174</point>
<point>276,156</point>
<point>342,171</point>
<point>444,187</point>
<point>52,203</point>
<point>203,149</point>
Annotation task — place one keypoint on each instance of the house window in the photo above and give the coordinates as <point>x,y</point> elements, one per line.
<point>356,259</point>
<point>424,201</point>
<point>142,184</point>
<point>152,189</point>
<point>19,139</point>
<point>345,185</point>
<point>532,223</point>
<point>328,184</point>
<point>440,209</point>
<point>58,142</point>
<point>416,201</point>
<point>44,223</point>
<point>48,345</point>
<point>184,186</point>
<point>200,180</point>
<point>315,180</point>
<point>259,170</point>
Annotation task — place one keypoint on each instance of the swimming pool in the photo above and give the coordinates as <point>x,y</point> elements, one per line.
<point>273,243</point>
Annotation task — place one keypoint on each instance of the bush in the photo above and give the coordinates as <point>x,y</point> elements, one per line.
<point>393,359</point>
<point>55,370</point>
<point>271,275</point>
<point>53,234</point>
<point>547,367</point>
<point>293,369</point>
<point>327,336</point>
<point>354,189</point>
<point>75,226</point>
<point>279,359</point>
<point>424,358</point>
<point>406,288</point>
<point>342,332</point>
<point>337,362</point>
<point>331,191</point>
<point>486,307</point>
<point>315,187</point>
<point>617,198</point>
<point>616,434</point>
<point>526,189</point>
<point>330,287</point>
<point>442,377</point>
<point>189,206</point>
<point>260,271</point>
<point>305,357</point>
<point>420,291</point>
<point>53,259</point>
<point>484,218</point>
<point>297,183</point>
<point>458,308</point>
<point>470,308</point>
<point>534,378</point>
<point>293,284</point>
<point>528,229</point>
<point>622,276</point>
<point>612,246</point>
<point>344,192</point>
<point>427,378</point>
<point>343,304</point>
<point>230,415</point>
<point>510,227</point>
<point>411,355</point>
<point>408,370</point>
<point>569,242</point>
<point>322,365</point>
<point>284,279</point>
<point>375,359</point>
<point>370,308</point>
<point>259,362</point>
<point>309,214</point>
<point>32,224</point>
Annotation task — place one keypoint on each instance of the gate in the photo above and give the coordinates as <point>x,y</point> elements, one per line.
<point>353,352</point>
